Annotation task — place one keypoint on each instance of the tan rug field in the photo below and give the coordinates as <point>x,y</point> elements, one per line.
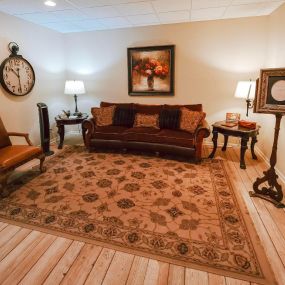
<point>173,211</point>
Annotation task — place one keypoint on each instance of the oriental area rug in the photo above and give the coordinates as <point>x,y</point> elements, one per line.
<point>174,211</point>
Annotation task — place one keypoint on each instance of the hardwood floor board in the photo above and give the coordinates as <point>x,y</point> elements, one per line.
<point>138,271</point>
<point>242,183</point>
<point>25,265</point>
<point>3,226</point>
<point>216,279</point>
<point>119,269</point>
<point>18,254</point>
<point>82,265</point>
<point>42,268</point>
<point>13,242</point>
<point>100,268</point>
<point>7,233</point>
<point>62,267</point>
<point>196,277</point>
<point>176,275</point>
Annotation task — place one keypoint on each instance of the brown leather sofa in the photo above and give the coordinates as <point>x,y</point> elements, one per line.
<point>12,156</point>
<point>147,139</point>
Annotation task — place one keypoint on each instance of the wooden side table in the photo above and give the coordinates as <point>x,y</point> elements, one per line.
<point>236,131</point>
<point>60,123</point>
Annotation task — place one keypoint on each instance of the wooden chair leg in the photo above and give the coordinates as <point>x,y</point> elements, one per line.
<point>42,167</point>
<point>4,181</point>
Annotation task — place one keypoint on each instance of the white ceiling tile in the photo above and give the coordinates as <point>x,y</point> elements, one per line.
<point>40,18</point>
<point>117,22</point>
<point>143,19</point>
<point>245,2</point>
<point>63,27</point>
<point>101,12</point>
<point>135,8</point>
<point>169,5</point>
<point>68,15</point>
<point>87,3</point>
<point>239,11</point>
<point>207,14</point>
<point>174,17</point>
<point>203,4</point>
<point>269,7</point>
<point>88,25</point>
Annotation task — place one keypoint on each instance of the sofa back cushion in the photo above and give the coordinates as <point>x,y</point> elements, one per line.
<point>124,116</point>
<point>148,109</point>
<point>169,119</point>
<point>193,107</point>
<point>190,120</point>
<point>108,104</point>
<point>103,116</point>
<point>4,138</point>
<point>146,121</point>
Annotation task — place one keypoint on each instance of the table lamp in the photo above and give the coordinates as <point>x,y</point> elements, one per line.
<point>246,90</point>
<point>74,87</point>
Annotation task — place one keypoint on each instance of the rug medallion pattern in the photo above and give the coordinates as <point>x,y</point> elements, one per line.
<point>173,209</point>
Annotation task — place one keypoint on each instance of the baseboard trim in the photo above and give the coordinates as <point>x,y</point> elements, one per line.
<point>267,161</point>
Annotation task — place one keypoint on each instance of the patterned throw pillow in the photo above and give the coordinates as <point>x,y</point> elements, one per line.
<point>103,116</point>
<point>146,121</point>
<point>190,120</point>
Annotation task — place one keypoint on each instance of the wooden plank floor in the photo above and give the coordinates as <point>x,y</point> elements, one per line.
<point>31,257</point>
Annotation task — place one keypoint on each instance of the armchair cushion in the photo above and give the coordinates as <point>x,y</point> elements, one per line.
<point>16,154</point>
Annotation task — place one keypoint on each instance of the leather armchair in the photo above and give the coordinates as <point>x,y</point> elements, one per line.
<point>12,156</point>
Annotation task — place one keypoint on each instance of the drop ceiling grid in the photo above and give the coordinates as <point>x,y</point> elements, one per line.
<point>86,15</point>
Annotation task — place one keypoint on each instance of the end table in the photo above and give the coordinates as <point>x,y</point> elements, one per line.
<point>236,131</point>
<point>61,122</point>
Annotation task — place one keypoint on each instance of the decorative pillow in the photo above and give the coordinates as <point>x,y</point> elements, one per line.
<point>124,116</point>
<point>103,116</point>
<point>147,121</point>
<point>190,120</point>
<point>169,119</point>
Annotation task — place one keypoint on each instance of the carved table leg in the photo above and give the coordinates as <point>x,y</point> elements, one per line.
<point>42,167</point>
<point>253,142</point>
<point>226,138</point>
<point>61,135</point>
<point>243,149</point>
<point>215,142</point>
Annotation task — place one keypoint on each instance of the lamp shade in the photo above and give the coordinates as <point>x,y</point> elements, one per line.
<point>245,89</point>
<point>73,87</point>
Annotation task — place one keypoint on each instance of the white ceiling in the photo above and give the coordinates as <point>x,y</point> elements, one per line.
<point>86,15</point>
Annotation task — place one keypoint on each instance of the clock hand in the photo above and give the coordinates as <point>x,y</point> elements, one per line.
<point>20,89</point>
<point>14,72</point>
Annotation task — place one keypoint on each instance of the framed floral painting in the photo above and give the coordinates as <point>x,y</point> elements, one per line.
<point>151,70</point>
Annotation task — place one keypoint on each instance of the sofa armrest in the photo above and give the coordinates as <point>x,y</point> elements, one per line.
<point>88,128</point>
<point>203,130</point>
<point>26,136</point>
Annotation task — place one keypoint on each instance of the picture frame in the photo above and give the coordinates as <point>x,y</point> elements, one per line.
<point>232,117</point>
<point>270,92</point>
<point>151,70</point>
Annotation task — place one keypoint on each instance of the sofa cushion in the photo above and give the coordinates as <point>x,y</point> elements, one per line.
<point>14,154</point>
<point>109,132</point>
<point>103,116</point>
<point>147,121</point>
<point>176,137</point>
<point>169,119</point>
<point>124,116</point>
<point>190,120</point>
<point>148,109</point>
<point>142,135</point>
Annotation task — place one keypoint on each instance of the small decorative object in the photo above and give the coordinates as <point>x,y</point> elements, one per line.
<point>247,124</point>
<point>66,113</point>
<point>232,118</point>
<point>270,99</point>
<point>246,90</point>
<point>17,76</point>
<point>151,70</point>
<point>74,87</point>
<point>229,125</point>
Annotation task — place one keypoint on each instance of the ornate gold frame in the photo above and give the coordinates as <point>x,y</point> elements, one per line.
<point>262,92</point>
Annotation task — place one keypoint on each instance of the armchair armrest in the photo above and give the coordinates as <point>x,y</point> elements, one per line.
<point>88,127</point>
<point>203,130</point>
<point>26,136</point>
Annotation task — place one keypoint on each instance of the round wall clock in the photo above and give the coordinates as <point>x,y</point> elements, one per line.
<point>16,74</point>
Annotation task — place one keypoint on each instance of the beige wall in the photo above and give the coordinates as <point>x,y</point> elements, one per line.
<point>43,48</point>
<point>211,57</point>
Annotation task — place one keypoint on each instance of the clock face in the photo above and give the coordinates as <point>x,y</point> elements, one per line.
<point>17,76</point>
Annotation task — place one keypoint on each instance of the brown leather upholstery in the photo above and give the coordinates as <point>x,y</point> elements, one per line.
<point>4,138</point>
<point>109,132</point>
<point>148,109</point>
<point>173,137</point>
<point>15,154</point>
<point>141,135</point>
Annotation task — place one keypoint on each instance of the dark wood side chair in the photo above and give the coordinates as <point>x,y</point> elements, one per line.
<point>12,156</point>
